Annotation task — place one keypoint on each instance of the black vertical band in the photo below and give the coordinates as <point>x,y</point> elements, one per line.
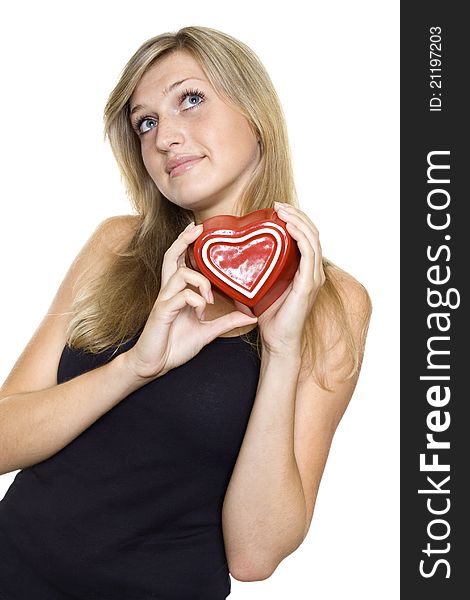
<point>435,254</point>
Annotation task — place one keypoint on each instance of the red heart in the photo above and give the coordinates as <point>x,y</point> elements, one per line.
<point>251,259</point>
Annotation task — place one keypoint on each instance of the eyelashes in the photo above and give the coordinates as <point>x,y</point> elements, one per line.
<point>137,123</point>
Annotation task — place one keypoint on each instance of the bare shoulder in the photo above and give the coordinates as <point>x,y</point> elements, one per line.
<point>36,367</point>
<point>343,325</point>
<point>354,295</point>
<point>110,236</point>
<point>353,327</point>
<point>115,232</point>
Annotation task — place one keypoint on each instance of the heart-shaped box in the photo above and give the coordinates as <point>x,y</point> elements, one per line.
<point>251,259</point>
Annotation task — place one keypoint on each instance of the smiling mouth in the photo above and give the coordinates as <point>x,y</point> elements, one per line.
<point>186,166</point>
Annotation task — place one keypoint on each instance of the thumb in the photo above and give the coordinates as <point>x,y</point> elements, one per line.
<point>231,321</point>
<point>243,308</point>
<point>243,319</point>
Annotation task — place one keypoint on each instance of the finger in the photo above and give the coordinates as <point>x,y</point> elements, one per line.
<point>295,223</point>
<point>319,270</point>
<point>293,215</point>
<point>292,210</point>
<point>181,278</point>
<point>174,256</point>
<point>172,306</point>
<point>228,322</point>
<point>307,260</point>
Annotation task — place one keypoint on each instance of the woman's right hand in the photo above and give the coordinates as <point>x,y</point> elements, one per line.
<point>175,332</point>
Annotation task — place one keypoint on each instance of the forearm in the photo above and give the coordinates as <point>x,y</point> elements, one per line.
<point>35,425</point>
<point>264,508</point>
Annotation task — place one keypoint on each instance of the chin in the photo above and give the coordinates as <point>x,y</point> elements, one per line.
<point>196,203</point>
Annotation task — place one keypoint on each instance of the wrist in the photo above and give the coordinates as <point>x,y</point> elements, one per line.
<point>291,355</point>
<point>130,372</point>
<point>291,352</point>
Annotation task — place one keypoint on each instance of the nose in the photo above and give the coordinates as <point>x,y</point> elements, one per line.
<point>169,132</point>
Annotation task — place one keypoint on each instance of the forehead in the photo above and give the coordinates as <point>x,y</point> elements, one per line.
<point>166,71</point>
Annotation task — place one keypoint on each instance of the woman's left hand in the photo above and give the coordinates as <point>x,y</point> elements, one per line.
<point>282,324</point>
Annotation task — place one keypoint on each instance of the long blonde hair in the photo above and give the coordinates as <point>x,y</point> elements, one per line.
<point>114,307</point>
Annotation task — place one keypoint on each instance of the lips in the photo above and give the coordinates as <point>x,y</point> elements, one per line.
<point>180,164</point>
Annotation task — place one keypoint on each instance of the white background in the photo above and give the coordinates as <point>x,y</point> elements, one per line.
<point>335,67</point>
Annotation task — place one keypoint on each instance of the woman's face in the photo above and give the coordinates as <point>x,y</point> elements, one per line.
<point>191,119</point>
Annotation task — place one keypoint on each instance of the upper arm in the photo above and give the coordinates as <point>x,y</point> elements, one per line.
<point>318,411</point>
<point>36,367</point>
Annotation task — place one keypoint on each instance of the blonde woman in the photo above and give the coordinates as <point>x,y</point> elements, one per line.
<point>165,436</point>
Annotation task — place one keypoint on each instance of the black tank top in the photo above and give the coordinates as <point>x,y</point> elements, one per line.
<point>131,508</point>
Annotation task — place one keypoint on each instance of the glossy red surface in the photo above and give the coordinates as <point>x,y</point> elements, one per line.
<point>251,259</point>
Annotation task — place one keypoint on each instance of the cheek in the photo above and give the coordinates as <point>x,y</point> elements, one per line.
<point>150,164</point>
<point>146,165</point>
<point>144,155</point>
<point>242,134</point>
<point>232,142</point>
<point>156,176</point>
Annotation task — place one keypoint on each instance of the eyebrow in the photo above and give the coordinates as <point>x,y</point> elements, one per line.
<point>165,92</point>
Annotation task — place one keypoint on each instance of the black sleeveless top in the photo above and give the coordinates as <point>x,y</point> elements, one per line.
<point>131,508</point>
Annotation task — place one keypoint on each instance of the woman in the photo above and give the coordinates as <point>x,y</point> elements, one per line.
<point>166,435</point>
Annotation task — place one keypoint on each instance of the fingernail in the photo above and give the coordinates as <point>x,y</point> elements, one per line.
<point>211,296</point>
<point>190,226</point>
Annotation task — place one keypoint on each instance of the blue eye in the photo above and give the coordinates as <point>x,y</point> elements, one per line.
<point>186,94</point>
<point>139,123</point>
<point>191,95</point>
